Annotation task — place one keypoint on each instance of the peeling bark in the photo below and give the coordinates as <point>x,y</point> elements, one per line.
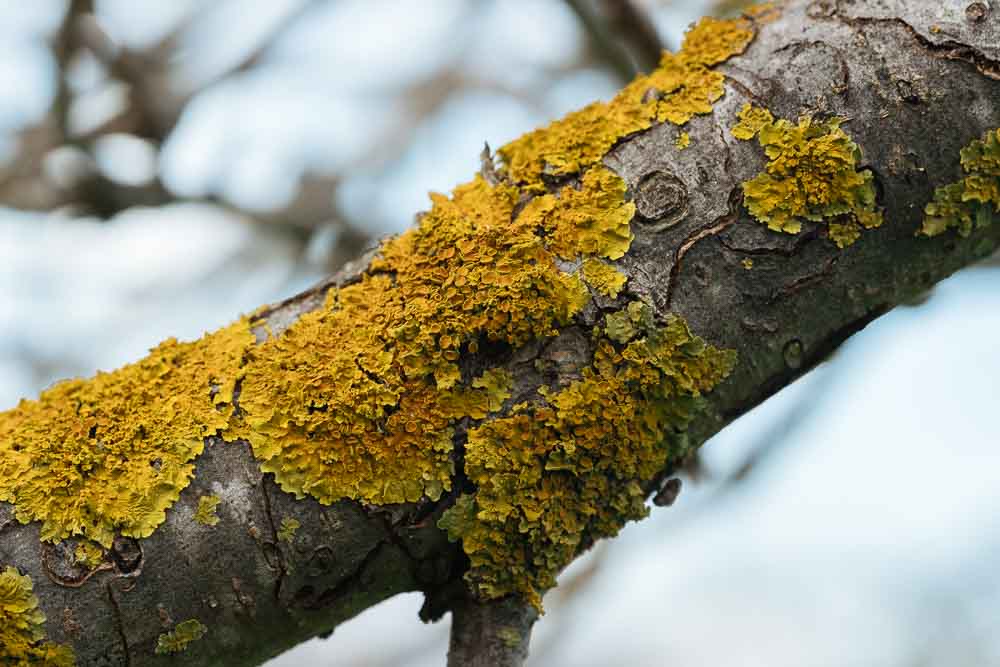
<point>918,80</point>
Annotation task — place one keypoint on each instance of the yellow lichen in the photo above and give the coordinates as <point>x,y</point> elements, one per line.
<point>205,514</point>
<point>552,477</point>
<point>88,554</point>
<point>359,398</point>
<point>180,637</point>
<point>22,632</point>
<point>593,220</point>
<point>289,526</point>
<point>684,85</point>
<point>604,278</point>
<point>811,174</point>
<point>112,453</point>
<point>973,201</point>
<point>752,119</point>
<point>682,141</point>
<point>747,263</point>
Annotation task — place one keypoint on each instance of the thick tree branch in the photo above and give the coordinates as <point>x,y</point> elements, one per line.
<point>916,89</point>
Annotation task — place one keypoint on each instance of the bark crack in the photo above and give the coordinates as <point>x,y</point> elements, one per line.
<point>718,225</point>
<point>946,50</point>
<point>280,580</point>
<point>119,623</point>
<point>330,595</point>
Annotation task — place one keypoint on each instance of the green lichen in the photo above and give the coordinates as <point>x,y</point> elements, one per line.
<point>509,635</point>
<point>811,174</point>
<point>180,637</point>
<point>94,457</point>
<point>554,476</point>
<point>683,86</point>
<point>289,526</point>
<point>205,514</point>
<point>974,201</point>
<point>22,631</point>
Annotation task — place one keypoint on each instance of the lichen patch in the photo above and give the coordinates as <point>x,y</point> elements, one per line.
<point>552,477</point>
<point>178,639</point>
<point>109,455</point>
<point>684,85</point>
<point>811,175</point>
<point>206,512</point>
<point>974,201</point>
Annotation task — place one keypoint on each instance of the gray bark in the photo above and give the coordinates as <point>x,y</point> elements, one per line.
<point>918,80</point>
<point>490,634</point>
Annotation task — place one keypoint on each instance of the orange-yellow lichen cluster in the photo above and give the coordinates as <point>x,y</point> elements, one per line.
<point>973,201</point>
<point>22,631</point>
<point>552,476</point>
<point>603,278</point>
<point>684,85</point>
<point>111,454</point>
<point>811,174</point>
<point>359,399</point>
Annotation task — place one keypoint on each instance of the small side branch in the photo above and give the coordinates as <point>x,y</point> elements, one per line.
<point>490,634</point>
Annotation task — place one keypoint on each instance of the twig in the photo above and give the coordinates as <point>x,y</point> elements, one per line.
<point>621,33</point>
<point>490,634</point>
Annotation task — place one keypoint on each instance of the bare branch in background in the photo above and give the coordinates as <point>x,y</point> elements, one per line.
<point>621,33</point>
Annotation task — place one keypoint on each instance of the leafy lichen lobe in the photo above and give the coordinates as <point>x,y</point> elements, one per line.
<point>289,526</point>
<point>604,278</point>
<point>22,632</point>
<point>206,512</point>
<point>973,201</point>
<point>178,639</point>
<point>811,174</point>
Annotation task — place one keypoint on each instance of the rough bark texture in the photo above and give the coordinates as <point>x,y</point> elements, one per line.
<point>492,634</point>
<point>919,80</point>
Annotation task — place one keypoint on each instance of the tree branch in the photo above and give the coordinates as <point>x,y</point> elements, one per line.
<point>781,302</point>
<point>490,634</point>
<point>621,33</point>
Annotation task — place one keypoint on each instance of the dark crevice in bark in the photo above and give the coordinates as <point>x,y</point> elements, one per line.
<point>947,50</point>
<point>281,569</point>
<point>119,623</point>
<point>331,595</point>
<point>718,225</point>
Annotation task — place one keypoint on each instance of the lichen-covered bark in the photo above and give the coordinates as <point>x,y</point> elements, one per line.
<point>643,307</point>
